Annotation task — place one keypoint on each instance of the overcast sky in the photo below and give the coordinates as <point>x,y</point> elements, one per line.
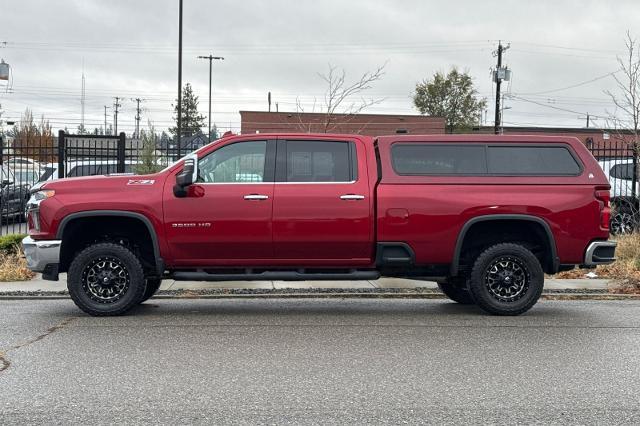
<point>129,49</point>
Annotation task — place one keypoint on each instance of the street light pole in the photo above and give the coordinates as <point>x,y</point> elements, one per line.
<point>210,58</point>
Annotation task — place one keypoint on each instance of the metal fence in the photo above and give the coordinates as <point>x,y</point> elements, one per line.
<point>32,158</point>
<point>619,161</point>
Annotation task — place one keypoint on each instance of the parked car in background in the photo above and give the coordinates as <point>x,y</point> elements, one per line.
<point>87,168</point>
<point>625,215</point>
<point>14,193</point>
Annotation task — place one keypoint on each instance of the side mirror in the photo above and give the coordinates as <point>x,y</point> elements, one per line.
<point>6,182</point>
<point>187,176</point>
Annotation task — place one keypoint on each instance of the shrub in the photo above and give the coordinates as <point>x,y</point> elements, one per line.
<point>10,243</point>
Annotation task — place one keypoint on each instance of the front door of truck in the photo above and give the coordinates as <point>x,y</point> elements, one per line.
<point>226,218</point>
<point>322,207</point>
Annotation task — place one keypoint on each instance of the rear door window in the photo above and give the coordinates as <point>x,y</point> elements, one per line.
<point>320,161</point>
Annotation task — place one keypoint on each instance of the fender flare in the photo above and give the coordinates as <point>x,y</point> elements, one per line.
<point>455,263</point>
<point>118,213</point>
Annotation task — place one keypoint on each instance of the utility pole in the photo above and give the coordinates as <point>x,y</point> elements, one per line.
<point>82,100</point>
<point>116,105</point>
<point>210,58</point>
<point>179,81</point>
<point>105,119</point>
<point>137,101</point>
<point>499,74</point>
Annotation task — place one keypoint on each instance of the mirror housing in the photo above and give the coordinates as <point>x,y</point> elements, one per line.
<point>187,177</point>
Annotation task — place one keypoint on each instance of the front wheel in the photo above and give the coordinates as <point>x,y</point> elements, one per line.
<point>506,279</point>
<point>106,279</point>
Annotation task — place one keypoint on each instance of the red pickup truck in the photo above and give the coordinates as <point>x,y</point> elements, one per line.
<point>484,216</point>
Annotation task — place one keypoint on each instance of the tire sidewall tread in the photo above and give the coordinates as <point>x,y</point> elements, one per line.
<point>482,296</point>
<point>136,277</point>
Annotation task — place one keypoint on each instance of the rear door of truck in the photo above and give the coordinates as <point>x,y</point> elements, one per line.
<point>322,210</point>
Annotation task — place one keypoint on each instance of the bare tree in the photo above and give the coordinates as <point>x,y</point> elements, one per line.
<point>625,121</point>
<point>627,102</point>
<point>338,105</point>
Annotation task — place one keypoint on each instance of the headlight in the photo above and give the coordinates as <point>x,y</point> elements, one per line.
<point>43,195</point>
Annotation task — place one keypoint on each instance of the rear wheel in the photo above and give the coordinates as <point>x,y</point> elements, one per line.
<point>506,279</point>
<point>106,279</point>
<point>152,286</point>
<point>456,290</point>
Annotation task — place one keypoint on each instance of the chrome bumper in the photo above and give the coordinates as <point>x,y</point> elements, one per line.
<point>600,253</point>
<point>40,253</point>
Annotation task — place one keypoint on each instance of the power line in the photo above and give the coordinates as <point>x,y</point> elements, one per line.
<point>574,85</point>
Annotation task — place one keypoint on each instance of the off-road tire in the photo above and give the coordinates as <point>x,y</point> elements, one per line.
<point>499,296</point>
<point>457,292</point>
<point>152,286</point>
<point>84,295</point>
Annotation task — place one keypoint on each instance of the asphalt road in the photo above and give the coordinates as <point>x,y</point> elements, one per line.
<point>320,361</point>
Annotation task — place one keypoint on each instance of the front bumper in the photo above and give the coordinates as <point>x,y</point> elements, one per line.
<point>600,253</point>
<point>42,255</point>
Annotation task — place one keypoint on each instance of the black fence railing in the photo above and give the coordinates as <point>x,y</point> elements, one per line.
<point>31,158</point>
<point>619,161</point>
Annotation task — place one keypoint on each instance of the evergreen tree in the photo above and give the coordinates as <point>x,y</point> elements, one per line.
<point>192,120</point>
<point>148,159</point>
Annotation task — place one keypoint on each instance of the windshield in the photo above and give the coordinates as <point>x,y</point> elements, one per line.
<point>26,177</point>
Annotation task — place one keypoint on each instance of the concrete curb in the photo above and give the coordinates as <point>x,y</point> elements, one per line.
<point>332,295</point>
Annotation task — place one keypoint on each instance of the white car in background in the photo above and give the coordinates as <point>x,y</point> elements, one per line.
<point>87,168</point>
<point>625,217</point>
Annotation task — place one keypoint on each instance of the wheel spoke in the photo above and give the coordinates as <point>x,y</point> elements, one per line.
<point>106,279</point>
<point>507,278</point>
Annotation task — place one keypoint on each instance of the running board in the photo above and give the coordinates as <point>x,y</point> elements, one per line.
<point>276,275</point>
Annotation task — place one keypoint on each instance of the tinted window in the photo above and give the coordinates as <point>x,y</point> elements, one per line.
<point>622,171</point>
<point>238,162</point>
<point>320,161</point>
<point>531,160</point>
<point>88,170</point>
<point>423,159</point>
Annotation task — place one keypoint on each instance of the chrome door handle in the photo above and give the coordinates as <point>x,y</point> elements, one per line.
<point>353,197</point>
<point>256,197</point>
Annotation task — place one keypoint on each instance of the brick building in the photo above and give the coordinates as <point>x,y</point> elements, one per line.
<point>364,124</point>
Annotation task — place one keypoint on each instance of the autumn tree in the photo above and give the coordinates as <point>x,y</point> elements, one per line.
<point>192,120</point>
<point>451,96</point>
<point>34,140</point>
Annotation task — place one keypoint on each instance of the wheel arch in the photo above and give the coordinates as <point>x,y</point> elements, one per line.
<point>64,223</point>
<point>455,263</point>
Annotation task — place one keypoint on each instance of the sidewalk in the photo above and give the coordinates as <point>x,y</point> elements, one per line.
<point>383,285</point>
